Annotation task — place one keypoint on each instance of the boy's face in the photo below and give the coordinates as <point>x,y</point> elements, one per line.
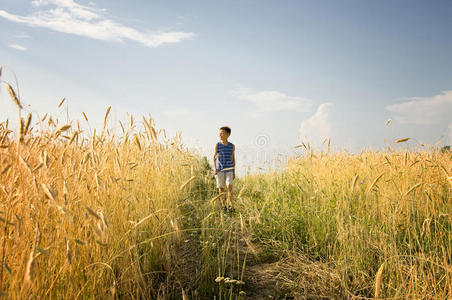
<point>223,134</point>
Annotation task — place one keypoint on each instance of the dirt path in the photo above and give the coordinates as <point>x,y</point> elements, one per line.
<point>217,247</point>
<point>259,275</point>
<point>242,261</point>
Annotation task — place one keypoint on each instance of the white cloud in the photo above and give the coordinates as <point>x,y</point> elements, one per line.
<point>17,47</point>
<point>22,36</point>
<point>70,17</point>
<point>177,112</point>
<point>428,110</point>
<point>270,101</point>
<point>318,127</point>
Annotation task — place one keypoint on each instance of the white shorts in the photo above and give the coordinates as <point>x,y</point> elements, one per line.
<point>224,178</point>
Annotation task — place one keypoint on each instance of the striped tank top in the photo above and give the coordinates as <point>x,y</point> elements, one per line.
<point>224,157</point>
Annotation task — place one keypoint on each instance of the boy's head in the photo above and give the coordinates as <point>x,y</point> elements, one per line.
<point>224,132</point>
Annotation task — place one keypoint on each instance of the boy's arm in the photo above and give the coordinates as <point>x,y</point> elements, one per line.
<point>233,160</point>
<point>215,159</point>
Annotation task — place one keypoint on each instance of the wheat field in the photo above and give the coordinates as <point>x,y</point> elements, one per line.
<point>135,215</point>
<point>86,215</point>
<point>376,224</point>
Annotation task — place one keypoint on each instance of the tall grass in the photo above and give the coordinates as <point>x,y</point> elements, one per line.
<point>380,223</point>
<point>86,215</point>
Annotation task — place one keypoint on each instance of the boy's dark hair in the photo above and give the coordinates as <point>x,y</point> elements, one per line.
<point>226,129</point>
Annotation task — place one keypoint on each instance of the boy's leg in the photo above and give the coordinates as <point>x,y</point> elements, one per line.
<point>220,185</point>
<point>222,198</point>
<point>230,196</point>
<point>229,179</point>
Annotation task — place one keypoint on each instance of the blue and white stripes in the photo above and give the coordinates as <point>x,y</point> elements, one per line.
<point>224,157</point>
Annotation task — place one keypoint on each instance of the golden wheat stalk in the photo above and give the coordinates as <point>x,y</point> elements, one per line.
<point>374,182</point>
<point>61,102</point>
<point>378,281</point>
<point>137,141</point>
<point>43,251</point>
<point>48,192</point>
<point>24,162</point>
<point>101,243</point>
<point>402,140</point>
<point>13,95</point>
<point>39,166</point>
<point>29,270</point>
<point>68,252</point>
<point>106,116</point>
<point>5,169</point>
<point>7,268</point>
<point>239,196</point>
<point>96,179</point>
<point>62,129</point>
<point>217,197</point>
<point>449,178</point>
<point>187,182</point>
<point>102,217</point>
<point>412,188</point>
<point>152,135</point>
<point>74,135</point>
<point>45,159</point>
<point>43,118</point>
<point>84,116</point>
<point>51,122</point>
<point>352,185</point>
<point>80,242</point>
<point>20,137</point>
<point>93,213</point>
<point>122,127</point>
<point>27,123</point>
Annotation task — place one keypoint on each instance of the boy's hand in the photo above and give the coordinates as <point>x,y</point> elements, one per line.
<point>215,172</point>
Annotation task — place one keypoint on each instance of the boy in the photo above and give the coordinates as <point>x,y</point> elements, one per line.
<point>224,162</point>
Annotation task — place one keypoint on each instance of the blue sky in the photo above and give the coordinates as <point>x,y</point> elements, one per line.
<point>277,72</point>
